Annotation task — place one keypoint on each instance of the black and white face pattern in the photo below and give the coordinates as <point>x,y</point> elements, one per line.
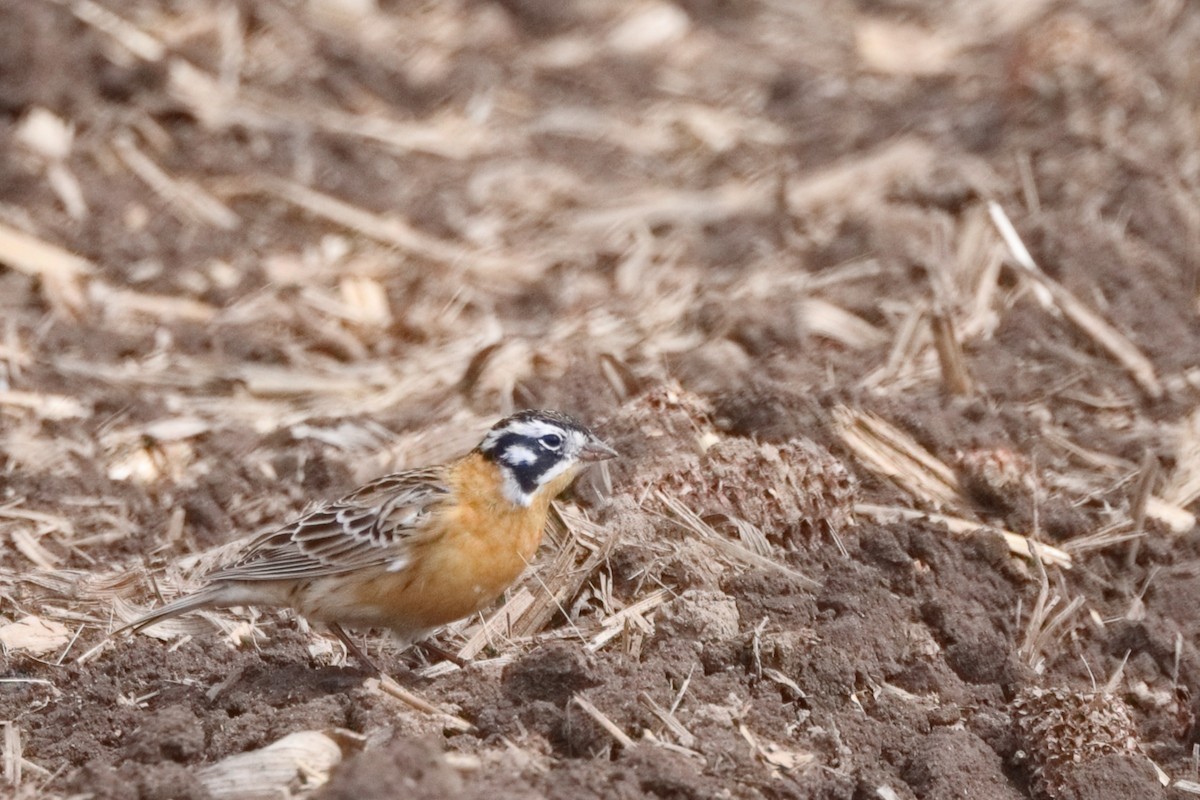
<point>535,447</point>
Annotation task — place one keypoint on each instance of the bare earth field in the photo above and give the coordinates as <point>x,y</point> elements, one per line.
<point>892,309</point>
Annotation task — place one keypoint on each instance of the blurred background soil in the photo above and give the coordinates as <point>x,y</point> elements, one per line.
<point>893,309</point>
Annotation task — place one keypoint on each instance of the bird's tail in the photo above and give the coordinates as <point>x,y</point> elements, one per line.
<point>208,596</point>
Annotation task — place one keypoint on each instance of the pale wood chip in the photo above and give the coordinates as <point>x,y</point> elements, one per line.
<point>27,545</point>
<point>163,308</point>
<point>614,624</point>
<point>776,757</point>
<point>12,753</point>
<point>62,273</point>
<point>1178,519</point>
<point>128,35</point>
<point>35,635</point>
<point>901,48</point>
<point>822,318</point>
<point>176,428</point>
<point>497,625</point>
<point>304,759</point>
<point>1183,484</point>
<point>678,206</point>
<point>885,449</point>
<point>47,406</point>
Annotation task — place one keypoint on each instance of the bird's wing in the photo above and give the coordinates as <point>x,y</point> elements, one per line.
<point>374,526</point>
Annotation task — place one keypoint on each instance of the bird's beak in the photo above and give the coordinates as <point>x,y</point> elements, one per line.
<point>596,450</point>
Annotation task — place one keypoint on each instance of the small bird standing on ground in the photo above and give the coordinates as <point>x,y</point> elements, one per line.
<point>415,550</point>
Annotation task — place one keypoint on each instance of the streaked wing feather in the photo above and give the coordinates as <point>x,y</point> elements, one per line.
<point>373,526</point>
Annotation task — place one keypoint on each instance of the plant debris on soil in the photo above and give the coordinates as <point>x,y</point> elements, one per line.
<point>891,308</point>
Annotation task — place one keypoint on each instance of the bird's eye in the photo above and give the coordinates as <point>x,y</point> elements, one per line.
<point>551,441</point>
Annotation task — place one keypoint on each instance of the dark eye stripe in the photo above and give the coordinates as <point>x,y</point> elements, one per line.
<point>536,457</point>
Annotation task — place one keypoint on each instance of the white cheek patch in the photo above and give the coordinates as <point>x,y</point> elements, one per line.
<point>514,493</point>
<point>554,471</point>
<point>518,455</point>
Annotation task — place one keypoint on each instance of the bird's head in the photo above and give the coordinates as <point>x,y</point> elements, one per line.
<point>539,453</point>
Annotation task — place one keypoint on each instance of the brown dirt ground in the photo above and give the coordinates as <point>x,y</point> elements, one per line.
<point>326,239</point>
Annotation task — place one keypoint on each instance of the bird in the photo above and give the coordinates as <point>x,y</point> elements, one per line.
<point>414,550</point>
